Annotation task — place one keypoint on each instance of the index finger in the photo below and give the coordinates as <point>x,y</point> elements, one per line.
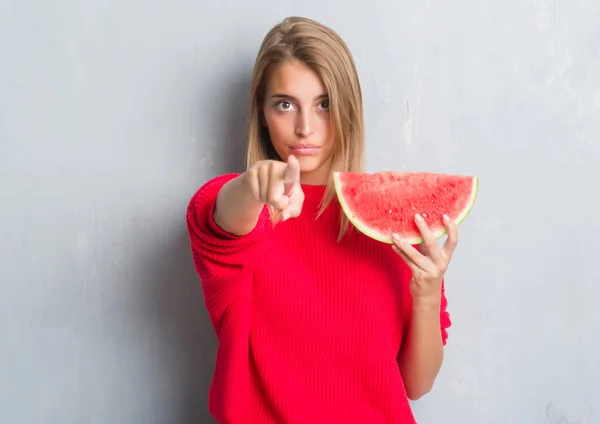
<point>452,239</point>
<point>429,241</point>
<point>291,175</point>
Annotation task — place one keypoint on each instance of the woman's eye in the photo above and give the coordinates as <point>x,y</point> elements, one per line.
<point>324,105</point>
<point>284,105</point>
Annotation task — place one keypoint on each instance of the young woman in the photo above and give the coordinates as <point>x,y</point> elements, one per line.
<point>316,322</point>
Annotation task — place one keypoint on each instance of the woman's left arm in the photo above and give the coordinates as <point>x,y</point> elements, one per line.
<point>422,353</point>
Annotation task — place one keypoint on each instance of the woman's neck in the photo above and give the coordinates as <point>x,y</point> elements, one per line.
<point>319,176</point>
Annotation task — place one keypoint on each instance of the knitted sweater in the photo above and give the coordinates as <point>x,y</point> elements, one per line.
<point>309,328</point>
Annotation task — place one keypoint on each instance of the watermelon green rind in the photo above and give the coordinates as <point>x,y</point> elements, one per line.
<point>386,238</point>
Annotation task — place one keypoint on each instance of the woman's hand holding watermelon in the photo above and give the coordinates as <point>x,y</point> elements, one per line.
<point>421,356</point>
<point>429,262</point>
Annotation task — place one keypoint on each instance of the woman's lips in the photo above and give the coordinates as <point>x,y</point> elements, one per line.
<point>304,149</point>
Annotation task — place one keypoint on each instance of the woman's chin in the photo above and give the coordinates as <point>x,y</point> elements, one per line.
<point>309,164</point>
<point>313,170</point>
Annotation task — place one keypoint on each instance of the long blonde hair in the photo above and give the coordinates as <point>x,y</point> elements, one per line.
<point>323,50</point>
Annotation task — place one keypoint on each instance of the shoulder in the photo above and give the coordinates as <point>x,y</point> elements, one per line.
<point>382,252</point>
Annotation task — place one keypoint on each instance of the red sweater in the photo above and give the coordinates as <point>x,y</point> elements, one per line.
<point>309,329</point>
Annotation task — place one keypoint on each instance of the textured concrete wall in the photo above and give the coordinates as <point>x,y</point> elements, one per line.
<point>112,113</point>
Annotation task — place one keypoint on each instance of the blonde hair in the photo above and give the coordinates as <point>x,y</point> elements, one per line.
<point>323,50</point>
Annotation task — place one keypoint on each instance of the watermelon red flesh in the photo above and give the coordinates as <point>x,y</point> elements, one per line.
<point>384,203</point>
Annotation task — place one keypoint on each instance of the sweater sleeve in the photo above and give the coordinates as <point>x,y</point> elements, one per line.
<point>445,321</point>
<point>223,261</point>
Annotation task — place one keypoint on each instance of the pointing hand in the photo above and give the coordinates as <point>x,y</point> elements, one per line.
<point>277,184</point>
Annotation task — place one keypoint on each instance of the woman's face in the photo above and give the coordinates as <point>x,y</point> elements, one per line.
<point>296,114</point>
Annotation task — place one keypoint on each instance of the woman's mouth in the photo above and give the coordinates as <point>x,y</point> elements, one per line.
<point>304,149</point>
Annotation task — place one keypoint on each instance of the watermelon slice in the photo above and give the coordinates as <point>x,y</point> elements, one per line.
<point>384,203</point>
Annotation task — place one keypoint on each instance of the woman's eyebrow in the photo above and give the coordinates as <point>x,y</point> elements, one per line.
<point>290,97</point>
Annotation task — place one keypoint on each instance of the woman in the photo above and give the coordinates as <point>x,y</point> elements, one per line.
<point>316,322</point>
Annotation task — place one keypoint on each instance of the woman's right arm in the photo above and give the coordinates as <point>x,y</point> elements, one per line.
<point>241,200</point>
<point>226,220</point>
<point>237,210</point>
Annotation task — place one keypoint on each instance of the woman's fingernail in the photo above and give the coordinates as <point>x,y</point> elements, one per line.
<point>396,237</point>
<point>418,218</point>
<point>446,218</point>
